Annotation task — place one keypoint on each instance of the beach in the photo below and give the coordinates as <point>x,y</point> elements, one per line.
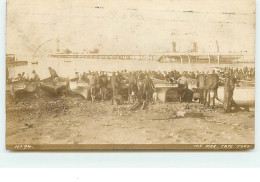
<point>73,120</point>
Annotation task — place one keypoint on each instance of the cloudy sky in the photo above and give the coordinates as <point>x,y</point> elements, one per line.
<point>129,27</point>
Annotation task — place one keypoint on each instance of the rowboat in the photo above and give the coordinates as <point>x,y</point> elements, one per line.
<point>80,88</point>
<point>243,96</point>
<point>18,88</point>
<point>54,87</point>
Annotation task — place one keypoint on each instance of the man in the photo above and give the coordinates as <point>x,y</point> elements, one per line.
<point>76,76</point>
<point>229,88</point>
<point>132,90</point>
<point>115,84</point>
<point>92,82</point>
<point>103,86</point>
<point>182,86</point>
<point>19,77</point>
<point>22,76</point>
<point>54,74</point>
<point>201,85</point>
<point>35,77</point>
<point>211,85</point>
<point>148,88</point>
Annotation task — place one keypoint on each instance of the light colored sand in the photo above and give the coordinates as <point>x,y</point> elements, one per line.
<point>74,121</point>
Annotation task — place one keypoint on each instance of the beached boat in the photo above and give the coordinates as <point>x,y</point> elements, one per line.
<point>19,88</point>
<point>54,87</point>
<point>80,88</point>
<point>243,96</point>
<point>34,62</point>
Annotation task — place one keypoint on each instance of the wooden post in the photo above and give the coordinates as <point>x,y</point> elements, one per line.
<point>218,59</point>
<point>209,59</point>
<point>181,58</point>
<point>189,58</point>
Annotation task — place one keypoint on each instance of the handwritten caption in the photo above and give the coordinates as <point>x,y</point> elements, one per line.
<point>223,146</point>
<point>23,147</point>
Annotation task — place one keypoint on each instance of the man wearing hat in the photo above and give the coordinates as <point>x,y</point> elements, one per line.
<point>229,88</point>
<point>182,86</point>
<point>54,74</point>
<point>115,84</point>
<point>35,77</point>
<point>211,85</point>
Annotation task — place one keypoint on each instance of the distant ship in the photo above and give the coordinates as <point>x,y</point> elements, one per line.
<point>194,57</point>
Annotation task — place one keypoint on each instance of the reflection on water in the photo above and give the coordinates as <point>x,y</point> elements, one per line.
<point>66,67</point>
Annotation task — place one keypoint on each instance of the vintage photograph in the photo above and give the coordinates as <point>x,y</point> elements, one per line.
<point>139,74</point>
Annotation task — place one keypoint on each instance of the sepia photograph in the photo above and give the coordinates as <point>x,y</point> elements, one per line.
<point>139,74</point>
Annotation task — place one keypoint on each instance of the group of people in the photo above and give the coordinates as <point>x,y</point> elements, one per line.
<point>135,82</point>
<point>139,84</point>
<point>21,77</point>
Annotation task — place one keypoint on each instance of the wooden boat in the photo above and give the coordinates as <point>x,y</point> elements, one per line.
<point>243,96</point>
<point>18,88</point>
<point>34,62</point>
<point>80,88</point>
<point>55,87</point>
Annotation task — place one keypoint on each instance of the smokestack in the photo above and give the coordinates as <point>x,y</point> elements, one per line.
<point>173,46</point>
<point>195,47</point>
<point>58,45</point>
<point>217,45</point>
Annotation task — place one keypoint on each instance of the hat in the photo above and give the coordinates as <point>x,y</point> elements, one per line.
<point>33,71</point>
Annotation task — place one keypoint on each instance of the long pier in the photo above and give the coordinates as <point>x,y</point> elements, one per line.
<point>185,58</point>
<point>100,56</point>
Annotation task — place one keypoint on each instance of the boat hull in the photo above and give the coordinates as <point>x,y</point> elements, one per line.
<point>243,96</point>
<point>54,87</point>
<point>80,88</point>
<point>22,88</point>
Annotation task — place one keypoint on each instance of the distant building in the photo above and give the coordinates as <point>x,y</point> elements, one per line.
<point>173,46</point>
<point>194,47</point>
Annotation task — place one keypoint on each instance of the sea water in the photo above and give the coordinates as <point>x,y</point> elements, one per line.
<point>66,67</point>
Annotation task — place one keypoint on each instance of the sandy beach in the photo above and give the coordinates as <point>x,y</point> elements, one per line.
<point>73,120</point>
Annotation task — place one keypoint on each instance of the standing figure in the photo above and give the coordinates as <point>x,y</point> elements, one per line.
<point>148,88</point>
<point>201,86</point>
<point>76,78</point>
<point>103,86</point>
<point>54,74</point>
<point>211,85</point>
<point>92,82</point>
<point>229,88</point>
<point>132,90</point>
<point>35,77</point>
<point>182,86</point>
<point>115,84</point>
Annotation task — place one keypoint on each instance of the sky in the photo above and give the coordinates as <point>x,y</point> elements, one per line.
<point>129,27</point>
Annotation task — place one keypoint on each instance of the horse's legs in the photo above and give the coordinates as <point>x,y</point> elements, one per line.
<point>208,95</point>
<point>214,97</point>
<point>205,97</point>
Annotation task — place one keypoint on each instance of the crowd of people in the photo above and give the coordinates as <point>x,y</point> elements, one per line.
<point>139,84</point>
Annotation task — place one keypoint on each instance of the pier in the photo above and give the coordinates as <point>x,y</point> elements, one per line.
<point>103,56</point>
<point>185,58</point>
